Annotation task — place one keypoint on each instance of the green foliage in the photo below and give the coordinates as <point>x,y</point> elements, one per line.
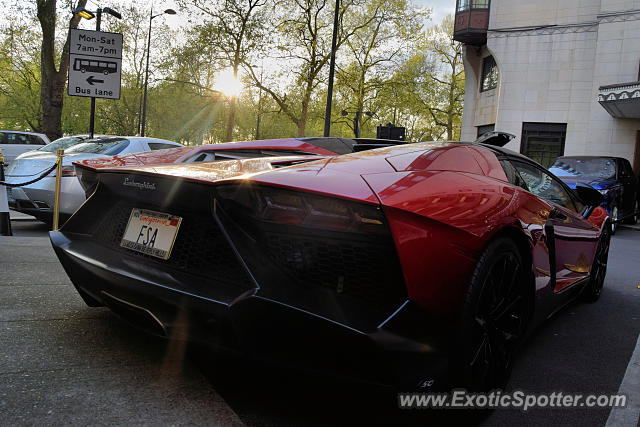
<point>387,64</point>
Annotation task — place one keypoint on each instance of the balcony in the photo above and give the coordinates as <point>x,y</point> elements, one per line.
<point>472,22</point>
<point>621,100</point>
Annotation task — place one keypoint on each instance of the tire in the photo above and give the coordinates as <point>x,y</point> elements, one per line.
<point>593,289</point>
<point>614,218</point>
<point>633,219</point>
<point>494,315</point>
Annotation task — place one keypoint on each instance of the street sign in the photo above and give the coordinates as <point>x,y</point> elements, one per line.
<point>95,62</point>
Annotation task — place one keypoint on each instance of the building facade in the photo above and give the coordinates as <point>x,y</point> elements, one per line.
<point>561,75</point>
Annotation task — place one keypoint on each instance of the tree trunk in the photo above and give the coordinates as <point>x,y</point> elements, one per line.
<point>53,81</point>
<point>232,119</point>
<point>302,123</point>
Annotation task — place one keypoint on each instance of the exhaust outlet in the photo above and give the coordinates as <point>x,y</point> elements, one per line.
<point>138,316</point>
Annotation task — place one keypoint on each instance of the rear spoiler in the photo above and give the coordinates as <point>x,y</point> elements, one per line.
<point>496,138</point>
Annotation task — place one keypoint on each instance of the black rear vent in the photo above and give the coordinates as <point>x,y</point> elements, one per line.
<point>359,266</point>
<point>200,248</point>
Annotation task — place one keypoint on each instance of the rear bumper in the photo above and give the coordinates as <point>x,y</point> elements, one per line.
<point>248,319</point>
<point>38,198</point>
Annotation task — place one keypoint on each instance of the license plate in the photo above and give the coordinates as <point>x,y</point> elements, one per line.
<point>152,233</point>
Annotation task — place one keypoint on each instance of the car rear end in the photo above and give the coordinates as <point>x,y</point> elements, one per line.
<point>288,275</point>
<point>15,143</point>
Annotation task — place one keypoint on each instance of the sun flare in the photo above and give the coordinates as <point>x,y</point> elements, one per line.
<point>227,83</point>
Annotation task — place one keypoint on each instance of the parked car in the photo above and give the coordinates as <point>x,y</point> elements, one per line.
<point>37,199</point>
<point>15,142</point>
<point>411,264</point>
<point>612,176</point>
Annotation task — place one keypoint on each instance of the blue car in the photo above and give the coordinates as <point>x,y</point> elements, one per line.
<point>612,176</point>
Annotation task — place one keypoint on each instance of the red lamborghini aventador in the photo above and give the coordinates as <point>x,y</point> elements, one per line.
<point>418,265</point>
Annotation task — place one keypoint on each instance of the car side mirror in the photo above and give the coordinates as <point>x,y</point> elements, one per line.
<point>591,197</point>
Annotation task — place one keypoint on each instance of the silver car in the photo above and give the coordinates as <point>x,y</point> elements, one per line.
<point>15,142</point>
<point>37,199</point>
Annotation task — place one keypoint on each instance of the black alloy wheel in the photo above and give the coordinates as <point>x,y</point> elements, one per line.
<point>495,314</point>
<point>593,288</point>
<point>633,219</point>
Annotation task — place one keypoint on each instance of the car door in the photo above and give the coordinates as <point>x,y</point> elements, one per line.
<point>571,239</point>
<point>16,144</point>
<point>629,187</point>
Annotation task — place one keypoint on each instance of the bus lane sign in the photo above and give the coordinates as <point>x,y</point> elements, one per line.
<point>95,61</point>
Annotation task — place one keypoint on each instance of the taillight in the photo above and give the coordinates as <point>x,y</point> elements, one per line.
<point>88,179</point>
<point>288,207</point>
<point>66,171</point>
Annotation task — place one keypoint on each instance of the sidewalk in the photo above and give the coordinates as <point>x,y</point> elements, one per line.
<point>62,362</point>
<point>18,216</point>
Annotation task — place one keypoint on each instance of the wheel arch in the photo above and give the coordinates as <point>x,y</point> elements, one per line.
<point>523,243</point>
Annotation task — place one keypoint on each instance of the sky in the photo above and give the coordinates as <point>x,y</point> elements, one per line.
<point>440,8</point>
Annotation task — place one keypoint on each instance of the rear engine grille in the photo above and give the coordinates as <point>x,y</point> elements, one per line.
<point>200,248</point>
<point>366,269</point>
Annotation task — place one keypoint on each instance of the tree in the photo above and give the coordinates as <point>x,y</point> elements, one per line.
<point>305,34</point>
<point>235,31</point>
<point>52,80</point>
<point>19,77</point>
<point>438,72</point>
<point>371,54</point>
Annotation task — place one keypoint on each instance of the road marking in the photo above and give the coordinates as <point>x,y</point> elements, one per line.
<point>630,386</point>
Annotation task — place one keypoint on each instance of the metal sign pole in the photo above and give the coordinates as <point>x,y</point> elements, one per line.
<point>56,203</point>
<point>92,117</point>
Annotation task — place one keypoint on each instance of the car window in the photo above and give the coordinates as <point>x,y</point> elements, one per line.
<point>335,145</point>
<point>17,138</point>
<point>585,167</point>
<point>160,145</point>
<point>544,185</point>
<point>35,140</point>
<point>627,167</point>
<point>512,174</point>
<point>61,143</point>
<point>110,147</point>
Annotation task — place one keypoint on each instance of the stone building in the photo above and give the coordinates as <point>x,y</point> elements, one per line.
<point>562,75</point>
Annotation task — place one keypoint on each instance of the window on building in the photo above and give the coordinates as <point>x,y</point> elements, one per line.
<point>543,142</point>
<point>463,5</point>
<point>489,74</point>
<point>480,4</point>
